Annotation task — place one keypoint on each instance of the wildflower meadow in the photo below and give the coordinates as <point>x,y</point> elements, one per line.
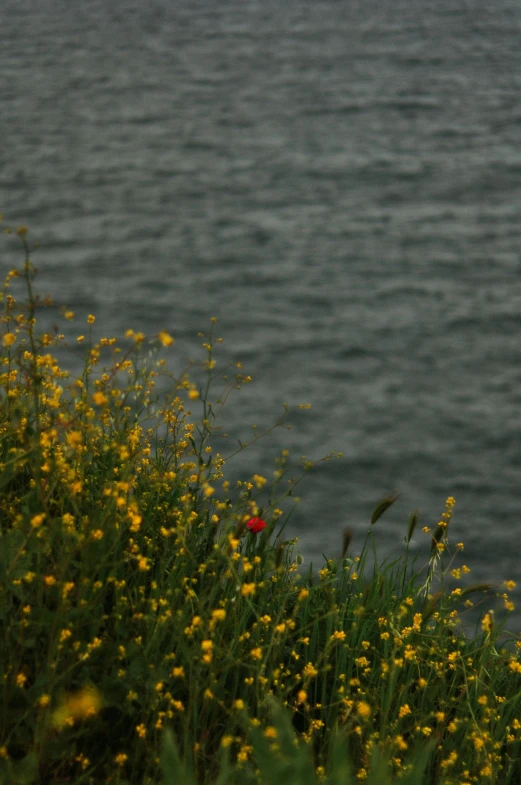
<point>157,626</point>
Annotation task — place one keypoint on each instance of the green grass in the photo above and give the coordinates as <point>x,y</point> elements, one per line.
<point>150,636</point>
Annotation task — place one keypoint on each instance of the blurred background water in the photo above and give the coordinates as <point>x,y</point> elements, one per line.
<point>339,183</point>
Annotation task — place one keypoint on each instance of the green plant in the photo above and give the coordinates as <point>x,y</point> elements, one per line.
<point>147,602</point>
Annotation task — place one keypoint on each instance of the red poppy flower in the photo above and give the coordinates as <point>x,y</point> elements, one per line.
<point>256,525</point>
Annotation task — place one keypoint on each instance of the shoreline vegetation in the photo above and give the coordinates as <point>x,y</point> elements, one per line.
<point>157,627</point>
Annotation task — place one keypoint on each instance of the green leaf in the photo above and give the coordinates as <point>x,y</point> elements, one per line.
<point>26,772</point>
<point>173,770</point>
<point>340,763</point>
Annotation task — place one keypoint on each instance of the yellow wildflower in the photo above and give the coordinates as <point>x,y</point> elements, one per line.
<point>100,399</point>
<point>165,338</point>
<point>9,339</point>
<point>79,705</point>
<point>363,709</point>
<point>247,589</point>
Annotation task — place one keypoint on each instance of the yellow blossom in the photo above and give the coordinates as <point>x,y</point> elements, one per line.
<point>247,589</point>
<point>74,438</point>
<point>79,705</point>
<point>100,399</point>
<point>165,338</point>
<point>486,623</point>
<point>363,709</point>
<point>244,753</point>
<point>400,742</point>
<point>310,671</point>
<point>97,534</point>
<point>9,339</point>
